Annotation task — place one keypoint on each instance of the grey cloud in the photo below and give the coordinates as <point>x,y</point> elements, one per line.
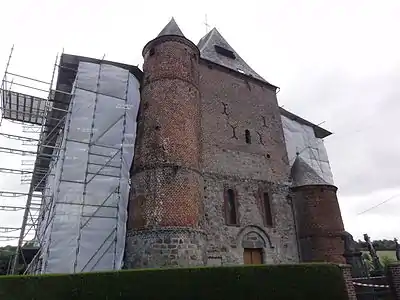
<point>380,204</point>
<point>362,112</point>
<point>369,159</point>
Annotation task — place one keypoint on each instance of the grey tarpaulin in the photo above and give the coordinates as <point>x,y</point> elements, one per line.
<point>84,220</point>
<point>301,141</point>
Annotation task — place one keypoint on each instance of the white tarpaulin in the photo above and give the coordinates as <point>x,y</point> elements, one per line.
<point>301,141</point>
<point>84,226</point>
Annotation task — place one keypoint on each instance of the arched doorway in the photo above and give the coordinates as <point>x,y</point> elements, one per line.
<point>253,248</point>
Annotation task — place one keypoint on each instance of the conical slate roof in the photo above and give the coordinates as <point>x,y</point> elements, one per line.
<point>303,174</point>
<point>171,29</point>
<point>207,51</point>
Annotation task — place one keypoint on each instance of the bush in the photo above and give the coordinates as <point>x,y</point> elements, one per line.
<point>300,281</point>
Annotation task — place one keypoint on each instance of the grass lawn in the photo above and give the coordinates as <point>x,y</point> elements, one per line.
<point>389,253</point>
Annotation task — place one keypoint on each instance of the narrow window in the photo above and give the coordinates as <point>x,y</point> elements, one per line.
<point>231,215</point>
<point>152,51</point>
<point>267,210</point>
<point>247,136</point>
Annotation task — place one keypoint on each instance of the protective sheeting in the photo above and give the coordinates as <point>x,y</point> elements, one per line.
<point>83,223</point>
<point>301,141</point>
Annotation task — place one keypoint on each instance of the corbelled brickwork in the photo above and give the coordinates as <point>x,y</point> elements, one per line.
<point>394,279</point>
<point>231,104</point>
<point>319,223</point>
<point>167,182</point>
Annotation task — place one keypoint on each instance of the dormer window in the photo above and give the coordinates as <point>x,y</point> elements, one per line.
<point>225,52</point>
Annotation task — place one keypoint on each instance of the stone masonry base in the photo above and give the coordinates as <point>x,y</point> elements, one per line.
<point>168,247</point>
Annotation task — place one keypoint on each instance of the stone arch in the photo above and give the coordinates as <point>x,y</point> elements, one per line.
<point>253,237</point>
<point>253,240</point>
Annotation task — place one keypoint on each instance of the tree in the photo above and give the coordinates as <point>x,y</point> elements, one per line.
<point>379,245</point>
<point>6,254</point>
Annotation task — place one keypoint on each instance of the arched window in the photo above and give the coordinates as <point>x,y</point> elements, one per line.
<point>231,212</point>
<point>247,136</point>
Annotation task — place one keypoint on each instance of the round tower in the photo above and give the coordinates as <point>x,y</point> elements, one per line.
<point>319,221</point>
<point>165,204</point>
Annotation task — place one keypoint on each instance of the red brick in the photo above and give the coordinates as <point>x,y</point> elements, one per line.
<point>319,223</point>
<point>167,184</point>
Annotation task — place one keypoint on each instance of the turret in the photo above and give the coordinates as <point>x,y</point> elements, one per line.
<point>319,221</point>
<point>165,203</point>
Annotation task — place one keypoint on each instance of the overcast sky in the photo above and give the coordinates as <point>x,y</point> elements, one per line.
<point>335,61</point>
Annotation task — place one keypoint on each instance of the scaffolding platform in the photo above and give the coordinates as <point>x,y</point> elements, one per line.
<point>43,120</point>
<point>23,108</point>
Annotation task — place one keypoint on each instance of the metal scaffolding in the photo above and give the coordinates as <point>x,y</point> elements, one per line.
<point>48,142</point>
<point>26,133</point>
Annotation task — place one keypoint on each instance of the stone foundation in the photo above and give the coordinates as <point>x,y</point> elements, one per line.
<point>173,247</point>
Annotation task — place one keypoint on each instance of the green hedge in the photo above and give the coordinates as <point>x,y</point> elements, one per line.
<point>294,282</point>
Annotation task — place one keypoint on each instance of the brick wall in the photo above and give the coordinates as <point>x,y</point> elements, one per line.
<point>351,292</point>
<point>394,279</point>
<point>167,183</point>
<point>231,104</point>
<point>319,223</point>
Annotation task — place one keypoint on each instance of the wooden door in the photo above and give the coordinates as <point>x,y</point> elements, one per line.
<point>247,256</point>
<point>252,256</point>
<point>256,256</point>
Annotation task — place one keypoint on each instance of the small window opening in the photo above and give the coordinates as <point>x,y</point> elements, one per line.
<point>231,215</point>
<point>240,71</point>
<point>152,51</point>
<point>247,136</point>
<point>224,52</point>
<point>267,210</point>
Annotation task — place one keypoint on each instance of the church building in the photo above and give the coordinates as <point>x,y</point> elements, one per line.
<point>221,174</point>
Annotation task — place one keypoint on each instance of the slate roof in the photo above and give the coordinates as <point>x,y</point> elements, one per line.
<point>171,29</point>
<point>303,174</point>
<point>207,51</point>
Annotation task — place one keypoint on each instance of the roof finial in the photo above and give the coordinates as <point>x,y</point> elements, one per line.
<point>206,24</point>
